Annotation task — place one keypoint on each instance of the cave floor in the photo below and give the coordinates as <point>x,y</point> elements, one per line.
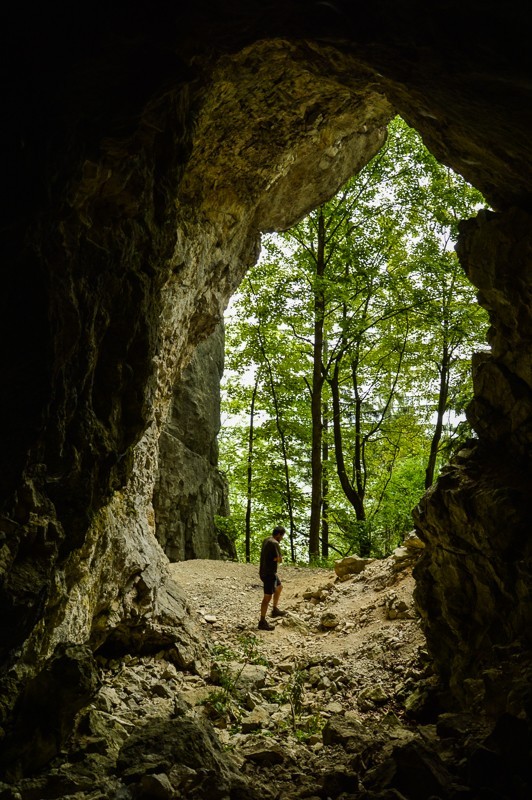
<point>317,708</point>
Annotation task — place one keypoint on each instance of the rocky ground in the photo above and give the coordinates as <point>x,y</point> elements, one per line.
<point>327,705</point>
<point>342,665</point>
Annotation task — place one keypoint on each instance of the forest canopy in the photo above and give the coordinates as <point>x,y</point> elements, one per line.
<point>348,353</point>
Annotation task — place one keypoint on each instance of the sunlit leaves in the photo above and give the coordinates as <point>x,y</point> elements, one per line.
<point>400,322</point>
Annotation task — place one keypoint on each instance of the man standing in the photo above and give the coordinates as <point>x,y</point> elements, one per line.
<point>270,557</point>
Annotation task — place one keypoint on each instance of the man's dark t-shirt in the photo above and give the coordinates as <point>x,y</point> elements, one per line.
<point>270,551</point>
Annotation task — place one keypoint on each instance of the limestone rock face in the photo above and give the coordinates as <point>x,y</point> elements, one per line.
<point>145,154</point>
<point>190,490</point>
<point>46,708</point>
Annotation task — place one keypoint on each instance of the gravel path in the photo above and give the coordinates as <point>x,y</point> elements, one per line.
<point>227,595</point>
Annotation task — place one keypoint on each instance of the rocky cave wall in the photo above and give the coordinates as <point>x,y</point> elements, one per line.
<point>146,152</point>
<point>190,491</point>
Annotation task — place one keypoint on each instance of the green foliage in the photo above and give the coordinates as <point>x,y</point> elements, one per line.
<point>224,701</point>
<point>399,322</point>
<point>319,563</point>
<point>295,694</point>
<point>309,726</point>
<point>303,726</point>
<point>250,649</point>
<point>219,705</point>
<point>228,526</point>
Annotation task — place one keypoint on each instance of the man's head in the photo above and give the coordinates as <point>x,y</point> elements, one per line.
<point>278,532</point>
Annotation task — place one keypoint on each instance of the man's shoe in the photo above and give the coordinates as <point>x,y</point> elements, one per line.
<point>276,612</point>
<point>265,626</point>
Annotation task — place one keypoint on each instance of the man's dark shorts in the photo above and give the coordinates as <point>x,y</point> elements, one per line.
<point>270,583</point>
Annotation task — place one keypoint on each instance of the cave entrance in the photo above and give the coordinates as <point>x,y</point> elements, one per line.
<point>282,126</point>
<point>348,354</point>
<point>138,247</point>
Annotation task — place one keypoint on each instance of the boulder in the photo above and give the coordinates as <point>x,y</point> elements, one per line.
<point>243,677</point>
<point>257,719</point>
<point>264,753</point>
<point>351,565</point>
<point>371,696</point>
<point>413,541</point>
<point>414,771</point>
<point>184,750</point>
<point>329,620</point>
<point>46,710</point>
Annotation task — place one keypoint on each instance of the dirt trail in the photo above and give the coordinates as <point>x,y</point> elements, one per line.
<point>347,653</point>
<point>227,595</point>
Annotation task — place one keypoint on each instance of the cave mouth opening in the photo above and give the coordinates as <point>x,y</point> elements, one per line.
<point>389,234</point>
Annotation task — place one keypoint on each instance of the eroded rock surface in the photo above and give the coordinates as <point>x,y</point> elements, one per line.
<point>190,490</point>
<point>474,577</point>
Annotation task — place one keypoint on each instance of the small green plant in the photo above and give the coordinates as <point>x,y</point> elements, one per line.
<point>309,727</point>
<point>295,695</point>
<point>250,650</point>
<point>218,704</point>
<point>223,653</point>
<point>224,701</point>
<point>302,727</point>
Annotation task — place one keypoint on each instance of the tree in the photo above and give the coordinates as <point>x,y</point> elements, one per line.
<point>454,324</point>
<point>260,380</point>
<point>358,323</point>
<point>249,484</point>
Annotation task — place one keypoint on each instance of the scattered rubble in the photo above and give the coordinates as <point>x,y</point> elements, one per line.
<point>327,705</point>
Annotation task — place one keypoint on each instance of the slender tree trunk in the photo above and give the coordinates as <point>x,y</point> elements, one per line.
<point>286,469</point>
<point>325,486</point>
<point>358,459</point>
<point>289,500</point>
<point>349,490</point>
<point>284,448</point>
<point>316,395</point>
<point>442,406</point>
<point>250,469</point>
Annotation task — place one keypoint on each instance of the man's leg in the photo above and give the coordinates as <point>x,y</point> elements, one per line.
<point>276,612</point>
<point>264,625</point>
<point>264,605</point>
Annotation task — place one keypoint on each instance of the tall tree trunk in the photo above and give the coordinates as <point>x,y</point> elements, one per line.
<point>250,469</point>
<point>442,406</point>
<point>286,470</point>
<point>282,439</point>
<point>316,395</point>
<point>349,490</point>
<point>325,486</point>
<point>358,458</point>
